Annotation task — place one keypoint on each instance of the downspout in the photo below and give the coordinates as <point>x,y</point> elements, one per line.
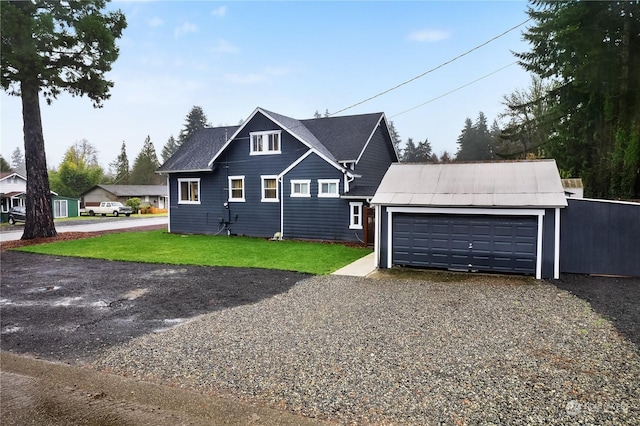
<point>169,205</point>
<point>281,179</point>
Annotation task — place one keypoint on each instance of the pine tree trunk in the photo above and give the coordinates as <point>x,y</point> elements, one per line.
<point>39,221</point>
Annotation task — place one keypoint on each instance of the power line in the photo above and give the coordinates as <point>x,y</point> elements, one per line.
<point>454,90</point>
<point>432,69</point>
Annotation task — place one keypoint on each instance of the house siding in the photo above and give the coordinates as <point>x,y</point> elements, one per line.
<point>97,195</point>
<point>317,217</point>
<point>375,160</point>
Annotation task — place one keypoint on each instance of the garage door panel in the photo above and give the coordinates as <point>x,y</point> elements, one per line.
<point>483,243</point>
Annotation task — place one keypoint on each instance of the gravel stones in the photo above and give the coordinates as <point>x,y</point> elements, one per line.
<point>488,350</point>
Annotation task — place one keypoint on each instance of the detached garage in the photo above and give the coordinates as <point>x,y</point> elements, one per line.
<point>492,217</point>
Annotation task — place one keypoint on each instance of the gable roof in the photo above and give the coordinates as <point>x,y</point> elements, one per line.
<point>6,175</point>
<point>336,139</point>
<point>194,154</point>
<point>134,190</point>
<point>347,136</point>
<point>498,184</point>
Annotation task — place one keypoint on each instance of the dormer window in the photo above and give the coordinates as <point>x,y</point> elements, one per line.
<point>265,143</point>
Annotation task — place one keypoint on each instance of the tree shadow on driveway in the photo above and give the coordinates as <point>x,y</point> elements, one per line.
<point>69,309</point>
<point>615,298</point>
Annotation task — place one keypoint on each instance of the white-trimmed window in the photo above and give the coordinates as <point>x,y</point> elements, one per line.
<point>301,188</point>
<point>189,191</point>
<point>328,188</point>
<point>355,215</point>
<point>269,189</point>
<point>264,143</point>
<point>60,208</point>
<point>236,188</point>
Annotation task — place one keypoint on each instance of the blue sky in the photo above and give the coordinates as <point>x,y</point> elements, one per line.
<point>293,58</point>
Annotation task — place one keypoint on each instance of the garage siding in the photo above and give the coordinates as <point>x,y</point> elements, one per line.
<point>466,242</point>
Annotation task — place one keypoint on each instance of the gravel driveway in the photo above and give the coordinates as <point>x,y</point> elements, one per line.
<point>468,350</point>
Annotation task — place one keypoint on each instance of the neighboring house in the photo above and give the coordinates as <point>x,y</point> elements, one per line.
<point>13,188</point>
<point>150,195</point>
<point>494,217</point>
<point>275,175</point>
<point>13,185</point>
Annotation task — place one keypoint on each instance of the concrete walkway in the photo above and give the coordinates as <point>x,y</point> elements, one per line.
<point>362,267</point>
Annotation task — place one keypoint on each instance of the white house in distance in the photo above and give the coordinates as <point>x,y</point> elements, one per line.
<point>13,186</point>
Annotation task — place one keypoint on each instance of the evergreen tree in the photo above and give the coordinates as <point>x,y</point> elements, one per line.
<point>475,142</point>
<point>120,167</point>
<point>317,114</point>
<point>169,148</point>
<point>395,139</point>
<point>145,166</point>
<point>196,120</point>
<point>410,152</point>
<point>424,152</point>
<point>591,50</point>
<point>445,158</point>
<point>529,120</point>
<point>17,159</point>
<point>48,47</point>
<point>4,165</point>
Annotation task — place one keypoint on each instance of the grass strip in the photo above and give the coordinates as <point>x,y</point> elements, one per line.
<point>205,250</point>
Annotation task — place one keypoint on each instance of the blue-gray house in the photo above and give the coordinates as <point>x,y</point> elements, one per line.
<point>276,175</point>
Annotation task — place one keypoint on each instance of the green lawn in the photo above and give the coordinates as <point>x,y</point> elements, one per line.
<point>162,247</point>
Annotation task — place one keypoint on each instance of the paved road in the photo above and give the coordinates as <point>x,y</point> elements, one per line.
<point>13,233</point>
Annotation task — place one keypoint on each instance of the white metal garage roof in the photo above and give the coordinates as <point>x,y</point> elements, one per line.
<point>496,184</point>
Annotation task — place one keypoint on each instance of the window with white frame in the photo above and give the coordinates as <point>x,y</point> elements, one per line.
<point>236,188</point>
<point>300,188</point>
<point>263,143</point>
<point>328,188</point>
<point>355,216</point>
<point>60,208</point>
<point>189,191</point>
<point>269,188</point>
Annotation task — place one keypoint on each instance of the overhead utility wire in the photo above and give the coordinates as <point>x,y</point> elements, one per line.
<point>432,69</point>
<point>454,90</point>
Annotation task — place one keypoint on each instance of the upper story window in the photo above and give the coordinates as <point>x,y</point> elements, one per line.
<point>264,143</point>
<point>236,188</point>
<point>189,191</point>
<point>328,187</point>
<point>300,188</point>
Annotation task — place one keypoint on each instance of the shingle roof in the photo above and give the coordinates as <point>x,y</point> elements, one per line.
<point>339,139</point>
<point>297,128</point>
<point>498,184</point>
<point>136,190</point>
<point>344,136</point>
<point>194,154</point>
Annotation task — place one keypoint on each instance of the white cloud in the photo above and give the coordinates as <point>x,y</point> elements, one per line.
<point>156,21</point>
<point>186,27</point>
<point>223,46</point>
<point>220,12</point>
<point>428,35</point>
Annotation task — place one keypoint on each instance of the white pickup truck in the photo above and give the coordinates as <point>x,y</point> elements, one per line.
<point>115,208</point>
